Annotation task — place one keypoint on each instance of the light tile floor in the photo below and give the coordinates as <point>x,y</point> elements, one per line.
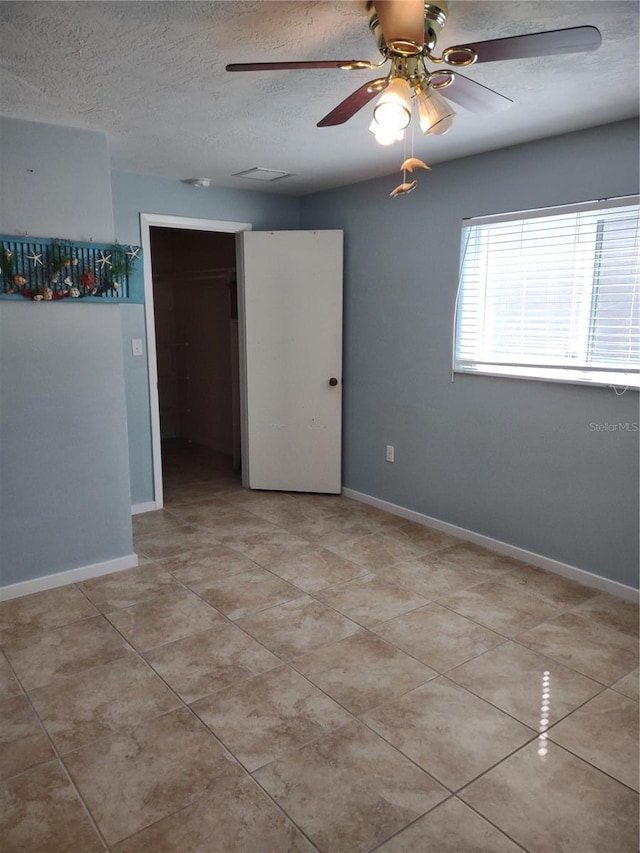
<point>288,673</point>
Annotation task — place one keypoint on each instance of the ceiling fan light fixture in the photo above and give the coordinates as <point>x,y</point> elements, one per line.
<point>435,114</point>
<point>393,110</point>
<point>385,136</point>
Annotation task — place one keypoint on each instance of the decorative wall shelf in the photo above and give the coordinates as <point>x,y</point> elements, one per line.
<point>43,269</point>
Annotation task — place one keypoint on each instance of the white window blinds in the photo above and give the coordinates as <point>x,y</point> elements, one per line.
<point>552,294</point>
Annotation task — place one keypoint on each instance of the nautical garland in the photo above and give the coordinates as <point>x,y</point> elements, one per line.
<point>58,269</point>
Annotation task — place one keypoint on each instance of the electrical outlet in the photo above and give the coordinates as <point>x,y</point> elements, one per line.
<point>136,346</point>
<point>390,453</point>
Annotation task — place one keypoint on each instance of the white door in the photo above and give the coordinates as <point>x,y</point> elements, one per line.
<point>290,309</point>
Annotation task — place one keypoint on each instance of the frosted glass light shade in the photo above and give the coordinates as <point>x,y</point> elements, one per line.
<point>393,110</point>
<point>435,115</point>
<point>384,136</point>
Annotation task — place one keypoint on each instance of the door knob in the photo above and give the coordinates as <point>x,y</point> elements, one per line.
<point>333,381</point>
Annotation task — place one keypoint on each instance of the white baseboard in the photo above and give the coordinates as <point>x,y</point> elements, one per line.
<point>620,590</point>
<point>149,506</point>
<point>82,573</point>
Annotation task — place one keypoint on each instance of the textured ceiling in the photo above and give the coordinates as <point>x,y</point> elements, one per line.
<point>151,75</point>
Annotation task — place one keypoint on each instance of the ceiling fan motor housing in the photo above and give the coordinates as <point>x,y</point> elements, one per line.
<point>435,16</point>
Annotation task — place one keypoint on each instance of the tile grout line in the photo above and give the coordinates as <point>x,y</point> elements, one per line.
<point>286,663</point>
<point>373,633</point>
<point>60,762</point>
<point>455,797</point>
<point>289,663</point>
<point>224,748</point>
<point>635,791</point>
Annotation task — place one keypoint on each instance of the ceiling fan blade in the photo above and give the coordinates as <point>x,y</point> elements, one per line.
<point>290,66</point>
<point>350,106</point>
<point>402,24</point>
<point>474,96</point>
<point>571,40</point>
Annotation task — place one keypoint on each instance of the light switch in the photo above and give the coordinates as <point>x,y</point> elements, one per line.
<point>136,346</point>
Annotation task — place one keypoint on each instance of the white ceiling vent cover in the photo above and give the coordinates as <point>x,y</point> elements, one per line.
<point>260,174</point>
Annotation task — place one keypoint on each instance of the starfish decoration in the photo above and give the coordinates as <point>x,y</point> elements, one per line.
<point>104,260</point>
<point>37,259</point>
<point>133,252</point>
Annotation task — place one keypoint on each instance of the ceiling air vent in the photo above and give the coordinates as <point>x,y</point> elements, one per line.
<point>260,174</point>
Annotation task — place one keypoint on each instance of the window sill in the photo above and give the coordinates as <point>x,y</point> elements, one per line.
<point>567,375</point>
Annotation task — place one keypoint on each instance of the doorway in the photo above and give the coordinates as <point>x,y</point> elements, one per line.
<point>192,331</point>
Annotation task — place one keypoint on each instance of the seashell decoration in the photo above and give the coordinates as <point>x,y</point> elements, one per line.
<point>53,269</point>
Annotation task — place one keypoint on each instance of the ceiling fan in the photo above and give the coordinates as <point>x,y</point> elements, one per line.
<point>406,33</point>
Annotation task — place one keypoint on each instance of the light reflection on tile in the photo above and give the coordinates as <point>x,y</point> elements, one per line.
<point>510,677</point>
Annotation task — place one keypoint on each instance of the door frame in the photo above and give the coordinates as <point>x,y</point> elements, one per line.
<point>147,220</point>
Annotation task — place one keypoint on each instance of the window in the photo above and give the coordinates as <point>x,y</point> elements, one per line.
<point>552,294</point>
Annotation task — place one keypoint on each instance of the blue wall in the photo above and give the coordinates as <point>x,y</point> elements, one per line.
<point>63,454</point>
<point>54,182</point>
<point>512,459</point>
<point>135,194</point>
<point>65,493</point>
